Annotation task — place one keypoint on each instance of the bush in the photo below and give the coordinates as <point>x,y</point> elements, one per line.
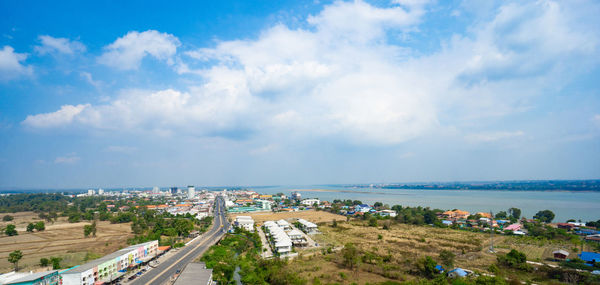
<point>8,218</point>
<point>44,262</point>
<point>11,230</point>
<point>426,267</point>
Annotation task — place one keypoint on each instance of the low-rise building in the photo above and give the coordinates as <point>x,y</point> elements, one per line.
<point>363,208</point>
<point>244,222</point>
<point>39,278</point>
<point>282,243</point>
<point>310,202</point>
<point>112,266</point>
<point>307,227</point>
<point>388,213</point>
<point>283,224</point>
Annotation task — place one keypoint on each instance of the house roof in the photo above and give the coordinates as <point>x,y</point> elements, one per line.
<point>32,277</point>
<point>94,263</point>
<point>589,256</point>
<point>560,251</point>
<point>458,271</point>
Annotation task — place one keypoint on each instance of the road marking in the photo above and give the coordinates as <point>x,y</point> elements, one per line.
<point>184,256</point>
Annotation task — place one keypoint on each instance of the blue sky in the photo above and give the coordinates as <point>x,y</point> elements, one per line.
<point>144,93</point>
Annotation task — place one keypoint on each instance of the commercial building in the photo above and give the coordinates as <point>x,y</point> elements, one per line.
<point>191,192</point>
<point>195,273</point>
<point>112,266</point>
<point>39,278</point>
<point>91,192</point>
<point>100,191</point>
<point>173,190</point>
<point>263,204</point>
<point>296,196</point>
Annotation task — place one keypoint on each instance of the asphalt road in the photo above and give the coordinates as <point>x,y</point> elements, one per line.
<point>167,268</point>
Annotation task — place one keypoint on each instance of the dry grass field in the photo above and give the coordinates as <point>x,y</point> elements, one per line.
<point>61,239</point>
<point>309,215</point>
<point>404,245</point>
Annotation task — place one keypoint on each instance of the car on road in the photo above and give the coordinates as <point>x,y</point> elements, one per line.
<point>132,277</point>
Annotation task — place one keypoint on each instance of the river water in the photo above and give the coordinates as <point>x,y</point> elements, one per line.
<point>583,206</point>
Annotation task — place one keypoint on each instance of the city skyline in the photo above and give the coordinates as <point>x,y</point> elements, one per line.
<point>302,93</point>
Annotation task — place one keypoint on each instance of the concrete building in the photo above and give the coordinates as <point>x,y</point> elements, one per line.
<point>263,204</point>
<point>112,266</point>
<point>91,192</point>
<point>284,225</point>
<point>310,202</point>
<point>195,273</point>
<point>307,227</point>
<point>39,278</point>
<point>191,192</point>
<point>100,191</point>
<point>388,213</point>
<point>173,190</point>
<point>245,222</point>
<point>296,196</point>
<point>282,243</point>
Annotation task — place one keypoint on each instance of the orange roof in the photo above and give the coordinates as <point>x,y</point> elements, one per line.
<point>151,207</point>
<point>163,248</point>
<point>485,215</point>
<point>183,205</point>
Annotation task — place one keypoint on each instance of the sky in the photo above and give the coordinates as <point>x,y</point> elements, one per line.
<point>148,93</point>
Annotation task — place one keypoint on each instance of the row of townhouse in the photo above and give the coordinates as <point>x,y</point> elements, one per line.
<point>112,266</point>
<point>282,243</point>
<point>307,227</point>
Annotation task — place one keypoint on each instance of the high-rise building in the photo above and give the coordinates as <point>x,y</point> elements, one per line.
<point>191,192</point>
<point>91,192</point>
<point>173,190</point>
<point>100,191</point>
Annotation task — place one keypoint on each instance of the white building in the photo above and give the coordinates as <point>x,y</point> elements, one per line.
<point>100,191</point>
<point>245,222</point>
<point>282,243</point>
<point>91,192</point>
<point>388,213</point>
<point>284,225</point>
<point>191,192</point>
<point>308,227</point>
<point>263,204</point>
<point>310,202</point>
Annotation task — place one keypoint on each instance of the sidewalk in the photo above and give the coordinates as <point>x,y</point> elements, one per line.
<point>263,239</point>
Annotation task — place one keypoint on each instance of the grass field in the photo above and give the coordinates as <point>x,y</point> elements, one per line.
<point>61,239</point>
<point>402,245</point>
<point>309,215</point>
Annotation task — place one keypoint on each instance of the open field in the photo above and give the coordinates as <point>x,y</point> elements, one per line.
<point>395,253</point>
<point>309,215</point>
<point>60,239</point>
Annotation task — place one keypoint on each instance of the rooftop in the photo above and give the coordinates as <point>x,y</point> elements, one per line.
<point>194,273</point>
<point>94,263</point>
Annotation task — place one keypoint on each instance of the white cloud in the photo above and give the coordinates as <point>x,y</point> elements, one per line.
<point>493,136</point>
<point>89,79</point>
<point>128,51</point>
<point>596,120</point>
<point>64,116</point>
<point>59,45</point>
<point>11,65</point>
<point>344,78</point>
<point>71,158</point>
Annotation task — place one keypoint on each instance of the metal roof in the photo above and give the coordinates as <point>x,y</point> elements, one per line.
<point>32,277</point>
<point>194,273</point>
<point>94,263</point>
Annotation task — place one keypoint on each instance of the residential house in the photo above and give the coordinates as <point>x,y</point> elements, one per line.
<point>560,254</point>
<point>388,213</point>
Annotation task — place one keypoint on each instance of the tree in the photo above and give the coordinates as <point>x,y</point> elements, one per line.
<point>11,230</point>
<point>30,227</point>
<point>350,256</point>
<point>55,262</point>
<point>515,213</point>
<point>373,222</point>
<point>545,216</point>
<point>94,228</point>
<point>44,262</point>
<point>501,215</point>
<point>8,218</point>
<point>334,223</point>
<point>377,204</point>
<point>447,258</point>
<point>87,230</point>
<point>14,258</point>
<point>40,226</point>
<point>427,267</point>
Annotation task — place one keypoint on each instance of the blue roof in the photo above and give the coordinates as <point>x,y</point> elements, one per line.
<point>439,268</point>
<point>458,272</point>
<point>364,206</point>
<point>589,256</point>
